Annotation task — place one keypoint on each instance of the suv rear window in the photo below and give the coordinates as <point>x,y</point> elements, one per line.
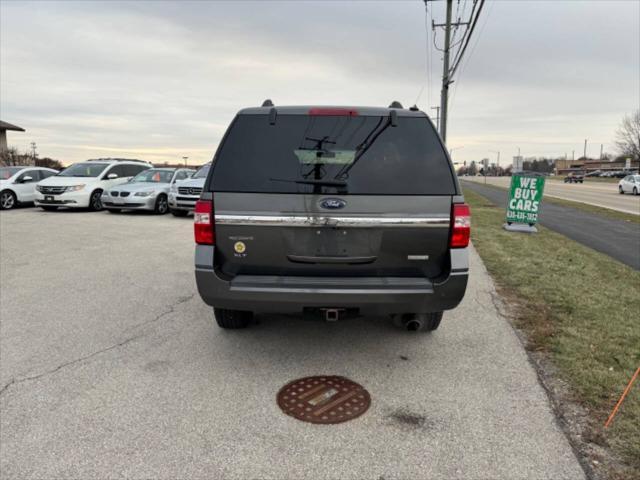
<point>363,155</point>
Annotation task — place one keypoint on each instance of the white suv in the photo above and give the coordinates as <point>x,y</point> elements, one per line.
<point>81,185</point>
<point>18,184</point>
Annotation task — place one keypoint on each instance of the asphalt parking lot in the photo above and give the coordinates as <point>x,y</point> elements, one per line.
<point>112,366</point>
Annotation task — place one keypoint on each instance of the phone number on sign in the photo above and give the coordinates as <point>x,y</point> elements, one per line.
<point>524,216</point>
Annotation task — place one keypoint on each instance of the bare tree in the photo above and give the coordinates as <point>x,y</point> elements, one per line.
<point>11,157</point>
<point>628,136</point>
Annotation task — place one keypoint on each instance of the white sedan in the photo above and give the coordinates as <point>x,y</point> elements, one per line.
<point>629,184</point>
<point>18,184</point>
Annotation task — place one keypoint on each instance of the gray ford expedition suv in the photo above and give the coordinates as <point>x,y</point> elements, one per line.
<point>333,210</point>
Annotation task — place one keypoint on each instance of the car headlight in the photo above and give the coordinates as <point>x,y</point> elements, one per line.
<point>38,188</point>
<point>74,188</point>
<point>144,194</point>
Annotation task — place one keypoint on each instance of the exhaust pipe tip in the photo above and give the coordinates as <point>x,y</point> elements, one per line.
<point>413,325</point>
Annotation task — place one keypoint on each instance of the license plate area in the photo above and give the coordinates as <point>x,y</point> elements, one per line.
<point>48,198</point>
<point>332,241</point>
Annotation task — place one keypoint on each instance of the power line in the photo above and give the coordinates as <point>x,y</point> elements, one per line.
<point>464,35</point>
<point>428,59</point>
<point>466,43</point>
<point>473,49</point>
<point>446,70</point>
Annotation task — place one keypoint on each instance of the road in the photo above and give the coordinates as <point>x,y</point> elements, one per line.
<point>617,238</point>
<point>599,194</point>
<point>112,367</point>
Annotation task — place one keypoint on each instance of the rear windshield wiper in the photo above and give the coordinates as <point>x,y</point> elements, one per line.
<point>327,183</point>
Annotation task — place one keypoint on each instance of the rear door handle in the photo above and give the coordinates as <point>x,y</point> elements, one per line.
<point>329,259</point>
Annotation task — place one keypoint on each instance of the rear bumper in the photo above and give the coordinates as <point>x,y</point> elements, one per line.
<point>375,296</point>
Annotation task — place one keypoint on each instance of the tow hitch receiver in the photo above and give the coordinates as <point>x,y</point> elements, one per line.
<point>332,314</point>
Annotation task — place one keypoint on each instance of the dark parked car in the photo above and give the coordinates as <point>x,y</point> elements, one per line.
<point>574,178</point>
<point>336,211</point>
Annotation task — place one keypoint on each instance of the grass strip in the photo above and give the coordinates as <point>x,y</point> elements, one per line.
<point>580,307</point>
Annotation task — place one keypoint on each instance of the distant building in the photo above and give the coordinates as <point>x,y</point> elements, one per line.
<point>582,165</point>
<point>4,126</point>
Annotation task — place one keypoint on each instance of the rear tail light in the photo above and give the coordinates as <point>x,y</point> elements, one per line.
<point>204,223</point>
<point>461,222</point>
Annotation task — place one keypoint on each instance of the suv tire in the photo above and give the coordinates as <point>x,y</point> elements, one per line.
<point>432,321</point>
<point>48,209</point>
<point>95,201</point>
<point>179,213</point>
<point>113,210</point>
<point>232,319</point>
<point>620,190</point>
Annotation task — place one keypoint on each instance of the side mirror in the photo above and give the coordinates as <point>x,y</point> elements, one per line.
<point>26,179</point>
<point>111,176</point>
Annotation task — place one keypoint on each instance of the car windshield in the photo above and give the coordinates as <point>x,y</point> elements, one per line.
<point>203,172</point>
<point>153,176</point>
<point>83,170</point>
<point>8,172</point>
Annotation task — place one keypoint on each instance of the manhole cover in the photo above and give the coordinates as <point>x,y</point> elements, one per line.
<point>324,399</point>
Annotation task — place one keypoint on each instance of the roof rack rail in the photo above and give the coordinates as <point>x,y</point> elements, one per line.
<point>118,160</point>
<point>396,104</point>
<point>267,103</point>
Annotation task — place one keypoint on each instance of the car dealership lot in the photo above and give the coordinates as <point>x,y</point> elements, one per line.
<point>111,365</point>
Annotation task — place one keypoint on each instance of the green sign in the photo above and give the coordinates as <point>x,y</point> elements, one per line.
<point>525,196</point>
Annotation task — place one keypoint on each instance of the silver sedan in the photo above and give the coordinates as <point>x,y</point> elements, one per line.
<point>630,184</point>
<point>146,191</point>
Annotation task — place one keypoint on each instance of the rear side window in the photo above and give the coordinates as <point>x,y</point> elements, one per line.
<point>363,155</point>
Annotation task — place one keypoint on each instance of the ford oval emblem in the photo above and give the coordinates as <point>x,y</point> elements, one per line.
<point>333,203</point>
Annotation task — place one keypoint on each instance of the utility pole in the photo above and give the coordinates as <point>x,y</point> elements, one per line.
<point>498,160</point>
<point>446,69</point>
<point>185,160</point>
<point>573,154</point>
<point>585,149</point>
<point>437,109</point>
<point>33,152</point>
<point>601,148</point>
<point>444,96</point>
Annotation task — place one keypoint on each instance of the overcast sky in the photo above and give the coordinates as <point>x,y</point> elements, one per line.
<point>162,80</point>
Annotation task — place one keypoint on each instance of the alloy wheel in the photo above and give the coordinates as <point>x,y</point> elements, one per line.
<point>96,202</point>
<point>163,205</point>
<point>7,201</point>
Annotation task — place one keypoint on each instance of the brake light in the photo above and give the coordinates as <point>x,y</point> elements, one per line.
<point>338,112</point>
<point>461,225</point>
<point>204,223</point>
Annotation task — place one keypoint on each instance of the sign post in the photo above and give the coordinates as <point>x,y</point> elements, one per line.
<point>523,207</point>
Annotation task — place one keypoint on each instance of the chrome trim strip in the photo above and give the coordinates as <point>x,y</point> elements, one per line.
<point>332,221</point>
